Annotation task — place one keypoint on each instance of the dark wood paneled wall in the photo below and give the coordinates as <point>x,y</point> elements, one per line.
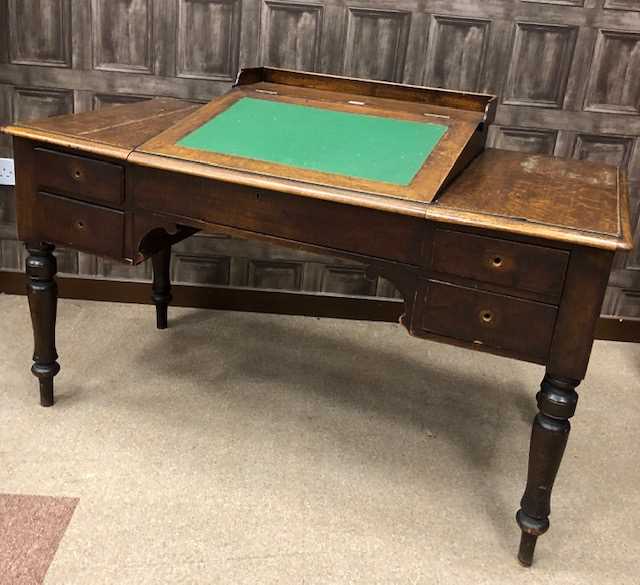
<point>567,73</point>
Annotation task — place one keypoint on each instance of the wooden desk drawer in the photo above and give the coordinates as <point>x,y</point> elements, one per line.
<point>502,262</point>
<point>84,226</point>
<point>515,326</point>
<point>78,176</point>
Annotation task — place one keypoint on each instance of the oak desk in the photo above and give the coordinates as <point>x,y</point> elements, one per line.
<point>497,251</point>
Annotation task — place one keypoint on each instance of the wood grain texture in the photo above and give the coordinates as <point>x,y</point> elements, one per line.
<point>477,102</point>
<point>112,132</point>
<point>40,32</point>
<point>81,226</point>
<point>384,33</point>
<point>517,327</point>
<point>208,38</point>
<point>540,63</point>
<point>291,34</point>
<point>36,104</point>
<point>457,52</point>
<point>79,176</point>
<point>586,198</point>
<point>314,221</point>
<point>613,87</point>
<point>123,35</point>
<point>502,262</point>
<point>578,313</point>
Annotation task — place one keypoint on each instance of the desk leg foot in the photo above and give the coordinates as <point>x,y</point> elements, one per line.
<point>161,289</point>
<point>557,401</point>
<point>42,292</point>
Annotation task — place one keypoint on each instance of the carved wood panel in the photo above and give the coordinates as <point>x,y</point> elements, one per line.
<point>122,35</point>
<point>50,20</point>
<point>33,103</point>
<point>531,140</point>
<point>457,51</point>
<point>614,83</point>
<point>208,38</point>
<point>566,72</point>
<point>376,43</point>
<point>540,63</point>
<point>290,34</point>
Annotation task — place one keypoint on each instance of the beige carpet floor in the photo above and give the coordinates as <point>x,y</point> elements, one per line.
<point>257,449</point>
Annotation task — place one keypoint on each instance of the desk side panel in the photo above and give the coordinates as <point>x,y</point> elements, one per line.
<point>24,157</point>
<point>584,289</point>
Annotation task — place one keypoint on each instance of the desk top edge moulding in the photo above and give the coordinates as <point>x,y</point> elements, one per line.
<point>495,251</point>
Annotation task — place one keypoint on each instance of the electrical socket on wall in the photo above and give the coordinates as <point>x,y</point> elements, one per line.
<point>7,172</point>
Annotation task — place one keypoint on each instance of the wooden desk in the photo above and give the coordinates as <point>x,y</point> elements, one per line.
<point>512,257</point>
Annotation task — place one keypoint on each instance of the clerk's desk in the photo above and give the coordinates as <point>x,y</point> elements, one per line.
<point>496,251</point>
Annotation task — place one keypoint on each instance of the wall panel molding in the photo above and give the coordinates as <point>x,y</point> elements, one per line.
<point>456,53</point>
<point>540,64</point>
<point>201,269</point>
<point>122,32</point>
<point>578,3</point>
<point>31,103</point>
<point>105,100</point>
<point>376,43</point>
<point>275,274</point>
<point>290,34</point>
<point>208,39</point>
<point>40,32</point>
<point>630,5</point>
<point>614,79</point>
<point>614,150</point>
<point>531,140</point>
<point>350,280</point>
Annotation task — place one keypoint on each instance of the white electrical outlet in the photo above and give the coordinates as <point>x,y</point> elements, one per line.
<point>7,172</point>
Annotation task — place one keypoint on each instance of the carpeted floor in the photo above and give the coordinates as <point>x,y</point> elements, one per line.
<point>253,449</point>
<point>30,530</point>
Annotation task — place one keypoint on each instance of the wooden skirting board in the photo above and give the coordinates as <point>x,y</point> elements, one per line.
<point>264,301</point>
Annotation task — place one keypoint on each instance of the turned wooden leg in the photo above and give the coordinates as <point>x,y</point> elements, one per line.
<point>557,401</point>
<point>42,292</point>
<point>161,288</point>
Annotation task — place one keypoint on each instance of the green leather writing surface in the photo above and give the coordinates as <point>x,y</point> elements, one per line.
<point>342,143</point>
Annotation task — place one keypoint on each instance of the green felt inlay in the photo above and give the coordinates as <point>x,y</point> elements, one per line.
<point>356,145</point>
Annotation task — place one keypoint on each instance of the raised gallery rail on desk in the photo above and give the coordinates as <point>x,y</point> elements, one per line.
<point>492,250</point>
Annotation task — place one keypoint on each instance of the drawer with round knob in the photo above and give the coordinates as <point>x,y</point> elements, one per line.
<point>517,327</point>
<point>84,226</point>
<point>514,265</point>
<point>78,176</point>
